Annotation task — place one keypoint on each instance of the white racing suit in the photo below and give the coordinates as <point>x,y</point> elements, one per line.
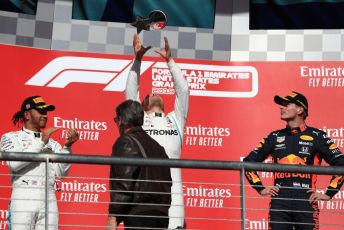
<point>27,207</point>
<point>168,131</point>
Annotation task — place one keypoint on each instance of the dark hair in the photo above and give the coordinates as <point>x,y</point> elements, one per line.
<point>130,113</point>
<point>145,103</point>
<point>18,117</point>
<point>304,115</point>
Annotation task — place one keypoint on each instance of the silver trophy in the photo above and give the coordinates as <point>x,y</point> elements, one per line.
<point>156,20</point>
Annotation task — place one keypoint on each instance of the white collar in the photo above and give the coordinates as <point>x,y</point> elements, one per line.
<point>33,133</point>
<point>154,114</point>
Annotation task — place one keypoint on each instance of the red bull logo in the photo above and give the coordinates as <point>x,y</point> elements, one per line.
<point>253,177</point>
<point>336,181</point>
<point>292,159</point>
<point>283,175</point>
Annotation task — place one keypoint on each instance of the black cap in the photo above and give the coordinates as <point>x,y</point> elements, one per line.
<point>293,97</point>
<point>36,102</point>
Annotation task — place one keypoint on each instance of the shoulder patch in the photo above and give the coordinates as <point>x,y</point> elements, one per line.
<point>333,146</point>
<point>280,139</point>
<point>4,138</point>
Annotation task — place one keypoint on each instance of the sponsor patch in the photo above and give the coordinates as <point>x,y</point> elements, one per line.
<point>280,139</point>
<point>292,159</point>
<point>162,132</point>
<point>306,143</point>
<point>296,185</point>
<point>333,146</point>
<point>280,146</point>
<point>253,177</point>
<point>292,94</point>
<point>304,150</point>
<point>335,151</point>
<point>316,133</point>
<point>336,181</point>
<point>38,100</point>
<point>306,138</point>
<point>305,185</point>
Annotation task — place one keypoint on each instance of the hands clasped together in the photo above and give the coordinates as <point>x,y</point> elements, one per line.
<point>72,136</point>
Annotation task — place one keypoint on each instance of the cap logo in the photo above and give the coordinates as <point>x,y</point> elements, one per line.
<point>292,94</point>
<point>38,100</point>
<point>27,106</point>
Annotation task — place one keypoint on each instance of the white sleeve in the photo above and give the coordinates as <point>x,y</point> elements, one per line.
<point>10,143</point>
<point>132,85</point>
<point>181,104</point>
<point>61,169</point>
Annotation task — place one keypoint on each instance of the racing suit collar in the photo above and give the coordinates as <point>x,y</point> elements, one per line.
<point>158,114</point>
<point>155,114</point>
<point>33,133</point>
<point>296,130</point>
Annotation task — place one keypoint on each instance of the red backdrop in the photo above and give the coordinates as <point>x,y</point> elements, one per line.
<point>231,109</point>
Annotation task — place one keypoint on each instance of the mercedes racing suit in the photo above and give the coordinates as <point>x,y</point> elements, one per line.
<point>27,207</point>
<point>300,146</point>
<point>167,130</point>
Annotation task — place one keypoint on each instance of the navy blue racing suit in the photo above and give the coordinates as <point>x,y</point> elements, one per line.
<point>300,146</point>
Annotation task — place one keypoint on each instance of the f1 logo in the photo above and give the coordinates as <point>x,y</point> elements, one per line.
<point>65,70</point>
<point>113,73</point>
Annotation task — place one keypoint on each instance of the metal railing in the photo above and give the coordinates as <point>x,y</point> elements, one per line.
<point>242,167</point>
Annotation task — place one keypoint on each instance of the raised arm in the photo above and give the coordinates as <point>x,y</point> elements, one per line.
<point>181,104</point>
<point>132,86</point>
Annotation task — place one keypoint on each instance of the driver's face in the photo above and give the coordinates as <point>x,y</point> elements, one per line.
<point>289,111</point>
<point>37,118</point>
<point>154,100</point>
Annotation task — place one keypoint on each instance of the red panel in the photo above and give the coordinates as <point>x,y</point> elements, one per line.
<point>231,109</point>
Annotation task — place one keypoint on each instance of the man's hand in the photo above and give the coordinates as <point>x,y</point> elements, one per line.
<point>316,196</point>
<point>270,191</point>
<point>139,49</point>
<point>72,137</point>
<point>46,133</point>
<point>166,52</point>
<point>112,223</point>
